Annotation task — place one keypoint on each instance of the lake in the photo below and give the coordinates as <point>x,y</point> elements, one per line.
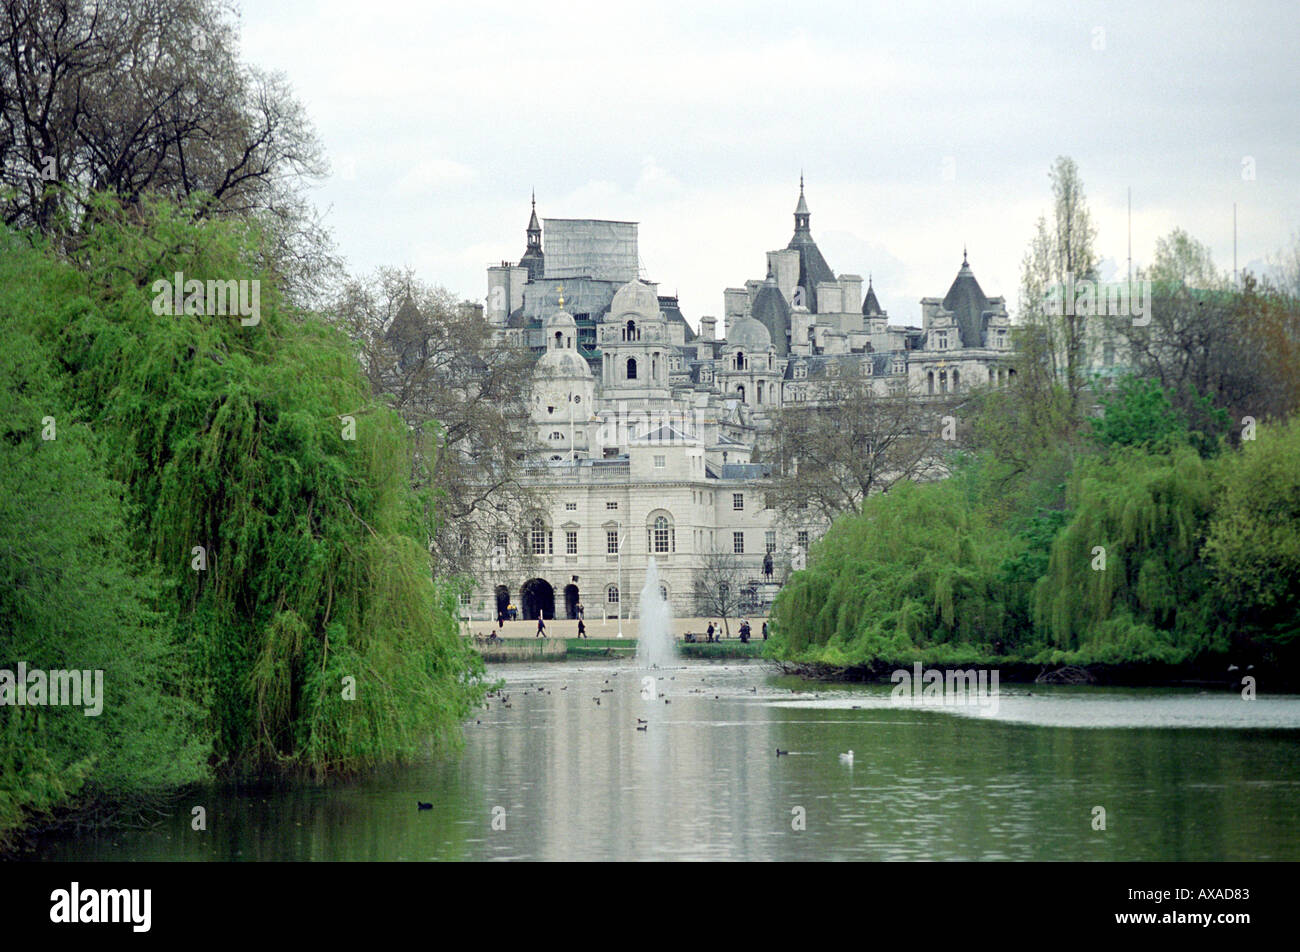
<point>1181,774</point>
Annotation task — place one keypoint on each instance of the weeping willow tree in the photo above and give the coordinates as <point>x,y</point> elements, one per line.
<point>910,577</point>
<point>74,594</point>
<point>271,492</point>
<point>1124,580</point>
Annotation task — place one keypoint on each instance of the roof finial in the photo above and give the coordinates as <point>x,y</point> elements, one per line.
<point>801,181</point>
<point>534,199</point>
<point>964,262</point>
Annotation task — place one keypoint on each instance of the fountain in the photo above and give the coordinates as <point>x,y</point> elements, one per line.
<point>654,643</point>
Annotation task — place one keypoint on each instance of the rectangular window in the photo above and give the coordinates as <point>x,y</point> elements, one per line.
<point>661,462</point>
<point>611,541</point>
<point>611,505</point>
<point>738,501</point>
<point>570,507</point>
<point>770,540</point>
<point>570,542</point>
<point>803,539</point>
<point>738,543</point>
<point>503,541</point>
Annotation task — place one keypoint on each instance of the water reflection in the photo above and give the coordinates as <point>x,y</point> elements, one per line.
<point>570,778</point>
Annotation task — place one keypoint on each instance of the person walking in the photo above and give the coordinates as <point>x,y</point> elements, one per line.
<point>744,631</point>
<point>765,631</point>
<point>709,632</point>
<point>501,618</point>
<point>541,628</point>
<point>582,628</point>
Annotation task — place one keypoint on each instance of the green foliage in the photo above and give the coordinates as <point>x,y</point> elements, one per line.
<point>1139,412</point>
<point>177,432</point>
<point>73,595</point>
<point>913,571</point>
<point>1253,545</point>
<point>1124,572</point>
<point>1152,554</point>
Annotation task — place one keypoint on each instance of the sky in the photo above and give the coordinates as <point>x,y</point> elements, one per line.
<point>918,128</point>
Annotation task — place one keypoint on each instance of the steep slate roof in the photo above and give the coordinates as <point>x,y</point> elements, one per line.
<point>968,303</point>
<point>870,306</point>
<point>812,266</point>
<point>771,310</point>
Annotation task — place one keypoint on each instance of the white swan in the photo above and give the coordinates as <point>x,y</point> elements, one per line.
<point>847,758</point>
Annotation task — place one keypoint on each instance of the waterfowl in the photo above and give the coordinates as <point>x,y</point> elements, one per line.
<point>642,727</point>
<point>421,805</point>
<point>642,720</point>
<point>781,753</point>
<point>847,758</point>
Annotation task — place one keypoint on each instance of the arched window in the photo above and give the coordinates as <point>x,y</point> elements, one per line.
<point>758,396</point>
<point>629,332</point>
<point>662,535</point>
<point>539,539</point>
<point>956,379</point>
<point>631,367</point>
<point>663,592</point>
<point>740,360</point>
<point>611,595</point>
<point>559,339</point>
<point>929,382</point>
<point>740,389</point>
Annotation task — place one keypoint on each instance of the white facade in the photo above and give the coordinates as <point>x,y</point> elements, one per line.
<point>646,429</point>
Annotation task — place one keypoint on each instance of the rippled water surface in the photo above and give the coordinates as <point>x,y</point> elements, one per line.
<point>1181,775</point>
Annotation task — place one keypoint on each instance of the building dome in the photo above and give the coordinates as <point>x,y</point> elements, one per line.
<point>636,298</point>
<point>560,320</point>
<point>748,334</point>
<point>559,362</point>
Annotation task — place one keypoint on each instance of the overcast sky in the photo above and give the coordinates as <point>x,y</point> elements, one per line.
<point>917,130</point>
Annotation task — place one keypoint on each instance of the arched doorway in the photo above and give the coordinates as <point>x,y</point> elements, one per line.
<point>571,601</point>
<point>503,599</point>
<point>538,599</point>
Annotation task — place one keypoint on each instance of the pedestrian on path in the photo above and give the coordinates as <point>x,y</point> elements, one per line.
<point>582,629</point>
<point>541,628</point>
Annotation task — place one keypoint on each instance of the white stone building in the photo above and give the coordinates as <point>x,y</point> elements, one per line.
<point>645,428</point>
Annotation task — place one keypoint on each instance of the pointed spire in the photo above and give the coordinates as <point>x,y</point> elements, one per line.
<point>801,210</point>
<point>964,262</point>
<point>533,226</point>
<point>870,305</point>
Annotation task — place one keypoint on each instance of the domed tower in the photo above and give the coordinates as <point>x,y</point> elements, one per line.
<point>747,369</point>
<point>533,258</point>
<point>563,389</point>
<point>635,345</point>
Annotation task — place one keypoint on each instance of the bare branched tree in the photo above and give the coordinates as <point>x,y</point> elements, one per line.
<point>1060,252</point>
<point>720,587</point>
<point>464,395</point>
<point>828,454</point>
<point>149,96</point>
